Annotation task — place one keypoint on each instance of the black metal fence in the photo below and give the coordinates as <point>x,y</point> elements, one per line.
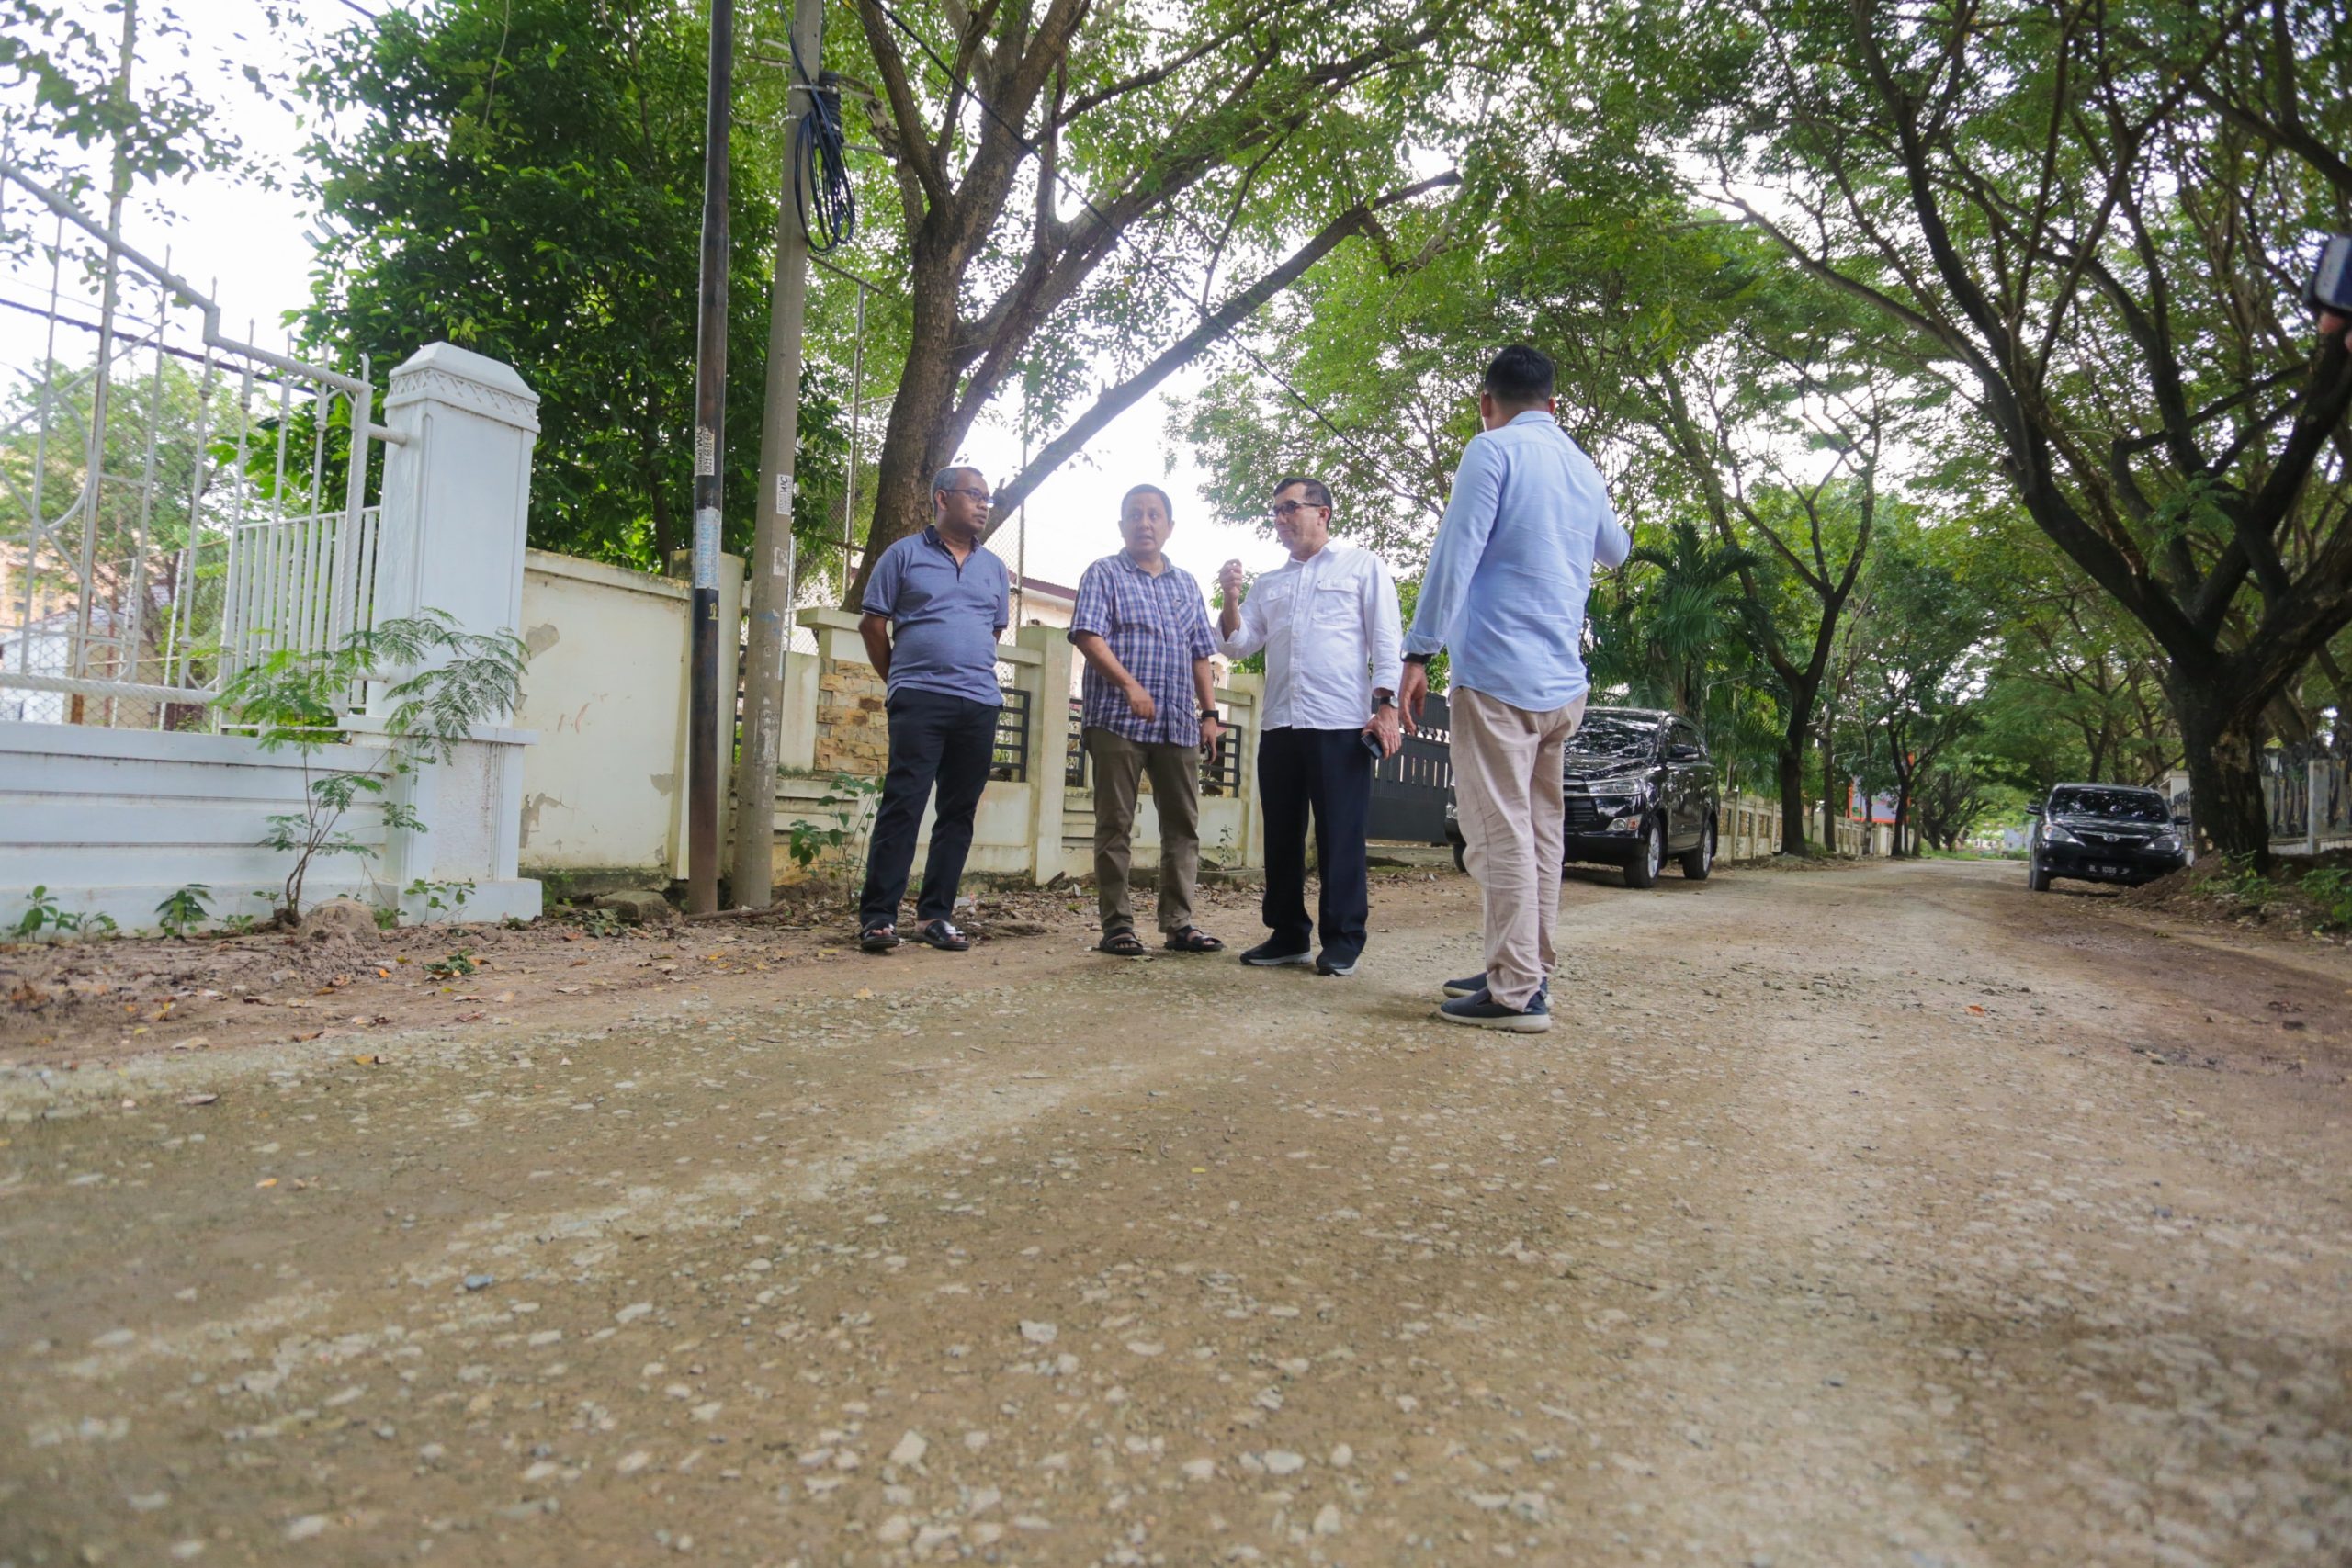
<point>1011,763</point>
<point>1220,773</point>
<point>1410,791</point>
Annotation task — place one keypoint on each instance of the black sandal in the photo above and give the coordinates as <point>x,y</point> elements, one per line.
<point>878,939</point>
<point>943,935</point>
<point>1122,944</point>
<point>1192,938</point>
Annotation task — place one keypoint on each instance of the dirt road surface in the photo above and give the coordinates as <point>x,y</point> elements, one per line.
<point>1887,1216</point>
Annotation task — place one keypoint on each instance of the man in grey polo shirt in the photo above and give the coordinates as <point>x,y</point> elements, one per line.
<point>934,608</point>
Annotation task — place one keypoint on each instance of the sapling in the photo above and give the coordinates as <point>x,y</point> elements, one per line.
<point>296,698</point>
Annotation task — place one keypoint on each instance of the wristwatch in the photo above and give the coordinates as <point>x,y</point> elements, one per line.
<point>1421,658</point>
<point>1381,700</point>
<point>1207,714</point>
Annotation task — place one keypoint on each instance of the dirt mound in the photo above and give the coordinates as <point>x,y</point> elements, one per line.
<point>2312,899</point>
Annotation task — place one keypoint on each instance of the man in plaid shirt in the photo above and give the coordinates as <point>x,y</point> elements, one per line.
<point>1149,705</point>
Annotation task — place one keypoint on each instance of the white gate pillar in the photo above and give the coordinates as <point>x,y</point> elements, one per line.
<point>457,500</point>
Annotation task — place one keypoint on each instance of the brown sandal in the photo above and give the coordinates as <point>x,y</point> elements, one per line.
<point>1122,944</point>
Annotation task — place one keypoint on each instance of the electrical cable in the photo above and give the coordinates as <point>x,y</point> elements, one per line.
<point>818,155</point>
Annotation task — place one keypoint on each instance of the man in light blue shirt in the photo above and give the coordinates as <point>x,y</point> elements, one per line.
<point>1504,594</point>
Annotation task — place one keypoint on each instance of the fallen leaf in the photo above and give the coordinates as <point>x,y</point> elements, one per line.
<point>469,1017</point>
<point>198,1099</point>
<point>313,1036</point>
<point>368,1060</point>
<point>1975,1009</point>
<point>195,1043</point>
<point>266,1181</point>
<point>863,994</point>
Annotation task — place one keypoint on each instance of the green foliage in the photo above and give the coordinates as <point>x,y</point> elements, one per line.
<point>600,922</point>
<point>441,897</point>
<point>2329,890</point>
<point>456,966</point>
<point>41,912</point>
<point>59,64</point>
<point>442,682</point>
<point>525,179</point>
<point>840,840</point>
<point>184,909</point>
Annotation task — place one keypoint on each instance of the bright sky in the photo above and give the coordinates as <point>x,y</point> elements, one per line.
<point>247,244</point>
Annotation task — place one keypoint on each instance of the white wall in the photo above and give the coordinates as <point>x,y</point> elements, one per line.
<point>114,820</point>
<point>603,790</point>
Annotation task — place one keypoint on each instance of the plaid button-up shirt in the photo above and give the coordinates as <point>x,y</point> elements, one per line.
<point>1156,626</point>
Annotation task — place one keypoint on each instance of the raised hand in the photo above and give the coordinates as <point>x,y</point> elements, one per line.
<point>1228,579</point>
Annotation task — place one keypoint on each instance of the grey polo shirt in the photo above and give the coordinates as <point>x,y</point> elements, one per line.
<point>944,617</point>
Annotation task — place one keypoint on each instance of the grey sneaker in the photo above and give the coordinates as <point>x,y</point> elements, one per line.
<point>1339,963</point>
<point>1482,1011</point>
<point>1266,955</point>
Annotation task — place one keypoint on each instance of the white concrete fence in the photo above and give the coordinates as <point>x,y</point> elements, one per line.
<point>112,821</point>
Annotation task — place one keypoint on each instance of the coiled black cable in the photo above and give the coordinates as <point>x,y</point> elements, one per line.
<point>819,158</point>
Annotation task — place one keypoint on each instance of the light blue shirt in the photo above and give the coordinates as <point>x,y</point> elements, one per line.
<point>1508,575</point>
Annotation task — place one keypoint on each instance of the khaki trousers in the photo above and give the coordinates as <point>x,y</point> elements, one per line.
<point>1506,792</point>
<point>1119,766</point>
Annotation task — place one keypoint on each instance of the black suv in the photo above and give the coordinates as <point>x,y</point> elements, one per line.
<point>2100,832</point>
<point>1640,788</point>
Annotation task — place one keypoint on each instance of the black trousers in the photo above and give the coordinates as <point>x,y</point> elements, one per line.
<point>1328,773</point>
<point>934,739</point>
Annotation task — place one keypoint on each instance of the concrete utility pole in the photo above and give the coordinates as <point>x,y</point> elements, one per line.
<point>703,771</point>
<point>771,600</point>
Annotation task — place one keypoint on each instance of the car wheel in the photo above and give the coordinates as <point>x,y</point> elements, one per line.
<point>2036,879</point>
<point>1642,870</point>
<point>1698,861</point>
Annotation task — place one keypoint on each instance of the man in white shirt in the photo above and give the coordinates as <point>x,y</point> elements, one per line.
<point>1328,620</point>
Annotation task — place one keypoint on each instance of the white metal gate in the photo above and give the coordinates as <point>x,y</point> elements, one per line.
<point>174,502</point>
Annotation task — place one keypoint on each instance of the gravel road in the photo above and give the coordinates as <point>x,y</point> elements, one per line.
<point>1884,1216</point>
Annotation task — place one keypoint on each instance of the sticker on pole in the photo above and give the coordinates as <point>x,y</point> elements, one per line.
<point>705,450</point>
<point>707,546</point>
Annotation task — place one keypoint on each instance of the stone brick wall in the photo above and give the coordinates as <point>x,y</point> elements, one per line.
<point>852,730</point>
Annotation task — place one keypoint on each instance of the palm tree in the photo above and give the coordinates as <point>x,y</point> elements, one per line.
<point>1680,614</point>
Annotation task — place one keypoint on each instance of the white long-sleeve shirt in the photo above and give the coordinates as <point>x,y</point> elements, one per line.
<point>1331,633</point>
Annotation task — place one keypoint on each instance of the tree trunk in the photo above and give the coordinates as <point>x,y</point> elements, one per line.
<point>2223,741</point>
<point>1828,782</point>
<point>922,434</point>
<point>1792,824</point>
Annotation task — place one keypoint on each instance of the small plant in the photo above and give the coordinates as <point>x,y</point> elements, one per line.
<point>2330,892</point>
<point>456,966</point>
<point>238,925</point>
<point>41,912</point>
<point>182,911</point>
<point>445,898</point>
<point>600,922</point>
<point>387,918</point>
<point>100,924</point>
<point>843,839</point>
<point>297,697</point>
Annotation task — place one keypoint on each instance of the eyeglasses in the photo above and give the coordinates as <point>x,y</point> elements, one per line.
<point>979,495</point>
<point>1291,508</point>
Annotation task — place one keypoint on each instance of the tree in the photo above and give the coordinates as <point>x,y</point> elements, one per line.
<point>525,179</point>
<point>123,75</point>
<point>1923,659</point>
<point>1681,612</point>
<point>2096,218</point>
<point>1066,195</point>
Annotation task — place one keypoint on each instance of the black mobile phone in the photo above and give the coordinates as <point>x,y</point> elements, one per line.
<point>1372,744</point>
<point>2331,285</point>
